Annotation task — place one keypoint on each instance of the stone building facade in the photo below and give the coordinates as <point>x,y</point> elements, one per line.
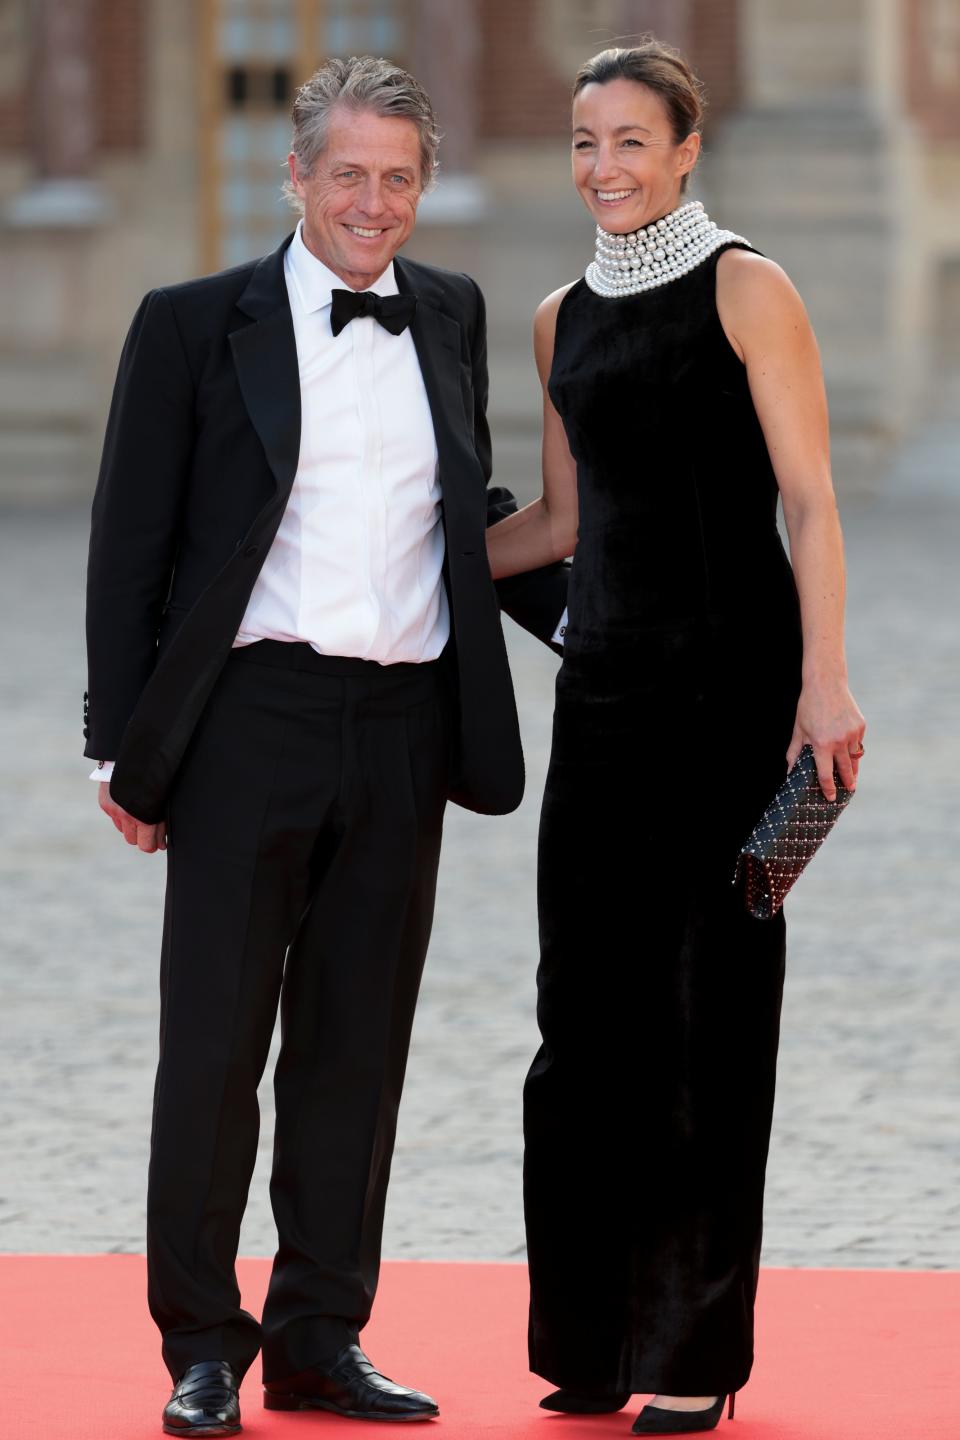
<point>142,141</point>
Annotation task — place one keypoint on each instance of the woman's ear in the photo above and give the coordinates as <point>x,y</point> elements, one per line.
<point>688,153</point>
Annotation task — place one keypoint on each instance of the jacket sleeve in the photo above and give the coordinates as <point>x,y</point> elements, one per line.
<point>136,510</point>
<point>536,599</point>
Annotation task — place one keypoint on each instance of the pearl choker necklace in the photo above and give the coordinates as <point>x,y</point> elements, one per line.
<point>664,250</point>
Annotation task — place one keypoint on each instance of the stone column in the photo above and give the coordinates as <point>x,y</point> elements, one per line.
<point>62,130</point>
<point>816,170</point>
<point>445,53</point>
<point>48,236</point>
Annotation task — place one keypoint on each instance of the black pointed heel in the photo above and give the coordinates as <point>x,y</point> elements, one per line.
<point>579,1402</point>
<point>654,1420</point>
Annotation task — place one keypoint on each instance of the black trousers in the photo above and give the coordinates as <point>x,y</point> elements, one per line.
<point>305,832</point>
<point>648,1108</point>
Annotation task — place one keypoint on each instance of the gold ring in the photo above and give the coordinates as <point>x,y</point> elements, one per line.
<point>857,754</point>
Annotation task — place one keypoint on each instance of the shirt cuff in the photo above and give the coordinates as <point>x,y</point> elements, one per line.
<point>561,630</point>
<point>104,770</point>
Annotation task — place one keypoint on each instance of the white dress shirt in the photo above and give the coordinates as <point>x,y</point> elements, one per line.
<point>356,565</point>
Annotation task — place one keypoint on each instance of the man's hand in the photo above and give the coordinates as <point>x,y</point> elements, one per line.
<point>135,832</point>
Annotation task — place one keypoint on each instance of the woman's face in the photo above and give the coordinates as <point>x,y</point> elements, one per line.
<point>626,164</point>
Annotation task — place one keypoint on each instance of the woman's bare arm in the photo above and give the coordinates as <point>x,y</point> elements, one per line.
<point>545,530</point>
<point>767,325</point>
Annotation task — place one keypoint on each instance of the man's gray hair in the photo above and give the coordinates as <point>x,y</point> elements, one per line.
<point>363,82</point>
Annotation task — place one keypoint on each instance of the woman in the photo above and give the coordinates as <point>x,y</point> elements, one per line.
<point>682,393</point>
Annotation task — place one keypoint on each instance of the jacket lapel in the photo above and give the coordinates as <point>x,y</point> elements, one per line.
<point>437,340</point>
<point>265,356</point>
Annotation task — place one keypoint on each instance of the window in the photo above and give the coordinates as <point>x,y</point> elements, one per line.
<point>254,54</point>
<point>361,27</point>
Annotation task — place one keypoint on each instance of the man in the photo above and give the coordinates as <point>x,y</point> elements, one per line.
<point>295,657</point>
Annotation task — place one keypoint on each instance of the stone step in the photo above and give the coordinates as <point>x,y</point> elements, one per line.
<point>48,448</point>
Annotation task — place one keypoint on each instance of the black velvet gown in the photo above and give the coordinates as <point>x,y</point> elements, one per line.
<point>647,1109</point>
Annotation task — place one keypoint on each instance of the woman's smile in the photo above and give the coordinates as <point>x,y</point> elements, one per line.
<point>613,197</point>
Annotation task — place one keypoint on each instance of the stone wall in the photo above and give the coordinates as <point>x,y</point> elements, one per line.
<point>833,141</point>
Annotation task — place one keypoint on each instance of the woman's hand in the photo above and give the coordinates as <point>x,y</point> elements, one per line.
<point>829,719</point>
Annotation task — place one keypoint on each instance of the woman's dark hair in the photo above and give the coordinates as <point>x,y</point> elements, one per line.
<point>661,69</point>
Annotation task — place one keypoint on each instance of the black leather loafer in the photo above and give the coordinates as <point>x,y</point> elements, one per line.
<point>351,1386</point>
<point>205,1401</point>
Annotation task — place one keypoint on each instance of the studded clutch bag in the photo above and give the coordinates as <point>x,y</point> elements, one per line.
<point>787,836</point>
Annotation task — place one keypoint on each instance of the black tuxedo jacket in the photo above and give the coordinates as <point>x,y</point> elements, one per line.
<point>200,454</point>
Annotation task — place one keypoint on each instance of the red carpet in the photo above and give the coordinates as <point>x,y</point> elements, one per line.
<point>842,1355</point>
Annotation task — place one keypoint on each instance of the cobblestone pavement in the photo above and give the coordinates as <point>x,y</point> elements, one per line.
<point>865,1162</point>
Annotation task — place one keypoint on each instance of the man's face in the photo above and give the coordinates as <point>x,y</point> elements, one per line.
<point>360,202</point>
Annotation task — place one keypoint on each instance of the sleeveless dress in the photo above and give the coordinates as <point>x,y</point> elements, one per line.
<point>647,1109</point>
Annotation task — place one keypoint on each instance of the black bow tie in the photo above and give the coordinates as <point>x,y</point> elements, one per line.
<point>394,312</point>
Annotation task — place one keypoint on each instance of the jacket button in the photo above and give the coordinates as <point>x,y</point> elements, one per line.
<point>86,733</point>
<point>251,550</point>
